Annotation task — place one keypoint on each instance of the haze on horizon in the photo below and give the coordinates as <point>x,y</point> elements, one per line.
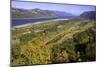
<point>70,8</point>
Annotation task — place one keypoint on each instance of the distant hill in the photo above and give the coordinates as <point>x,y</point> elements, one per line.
<point>89,15</point>
<point>38,13</point>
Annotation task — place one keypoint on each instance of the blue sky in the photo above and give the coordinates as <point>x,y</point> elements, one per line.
<point>74,9</point>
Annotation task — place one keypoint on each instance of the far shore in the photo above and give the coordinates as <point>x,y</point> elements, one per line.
<point>33,18</point>
<point>24,18</point>
<point>23,25</point>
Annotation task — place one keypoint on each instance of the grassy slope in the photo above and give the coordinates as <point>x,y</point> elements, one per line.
<point>51,42</point>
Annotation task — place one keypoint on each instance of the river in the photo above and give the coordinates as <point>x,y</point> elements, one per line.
<point>18,22</point>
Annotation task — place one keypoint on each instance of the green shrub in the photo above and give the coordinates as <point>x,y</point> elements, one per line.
<point>64,49</point>
<point>27,37</point>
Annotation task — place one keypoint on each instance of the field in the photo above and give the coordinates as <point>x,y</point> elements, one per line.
<point>60,41</point>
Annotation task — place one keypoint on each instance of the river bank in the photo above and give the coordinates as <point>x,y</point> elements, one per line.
<point>27,24</point>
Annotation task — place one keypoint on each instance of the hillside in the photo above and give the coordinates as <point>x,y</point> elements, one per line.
<point>89,15</point>
<point>54,42</point>
<point>38,13</point>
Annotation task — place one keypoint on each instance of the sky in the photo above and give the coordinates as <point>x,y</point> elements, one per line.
<point>70,8</point>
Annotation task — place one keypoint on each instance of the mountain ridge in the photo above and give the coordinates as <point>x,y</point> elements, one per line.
<point>38,13</point>
<point>89,15</point>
